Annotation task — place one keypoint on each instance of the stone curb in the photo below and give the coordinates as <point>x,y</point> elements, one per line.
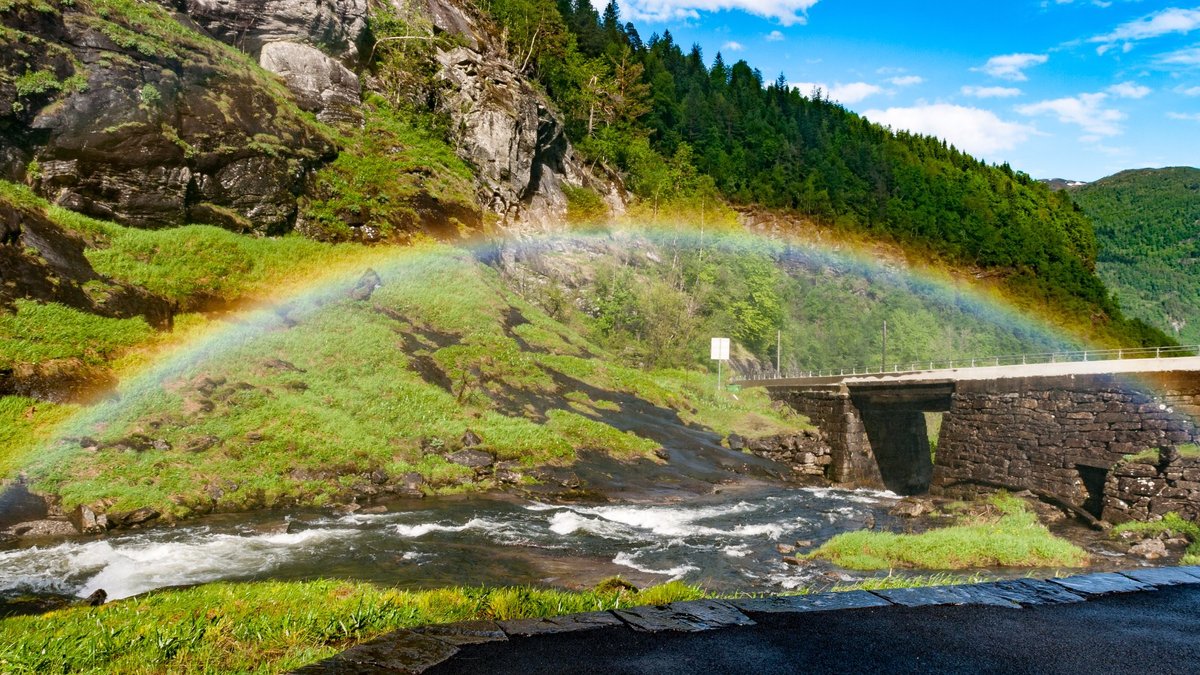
<point>419,649</point>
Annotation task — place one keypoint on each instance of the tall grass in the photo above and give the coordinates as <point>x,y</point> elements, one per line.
<point>270,627</point>
<point>1011,537</point>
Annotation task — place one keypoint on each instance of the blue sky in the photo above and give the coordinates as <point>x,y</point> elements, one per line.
<point>1075,89</point>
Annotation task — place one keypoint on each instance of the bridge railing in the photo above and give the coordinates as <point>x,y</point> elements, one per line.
<point>977,362</point>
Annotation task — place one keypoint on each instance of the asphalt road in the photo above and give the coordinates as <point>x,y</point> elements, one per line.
<point>1146,632</point>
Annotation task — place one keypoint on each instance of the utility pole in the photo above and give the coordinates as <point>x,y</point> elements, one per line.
<point>883,361</point>
<point>778,344</point>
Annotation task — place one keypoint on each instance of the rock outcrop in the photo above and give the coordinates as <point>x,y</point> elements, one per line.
<point>507,129</point>
<point>148,125</point>
<point>48,265</point>
<point>336,27</point>
<point>321,84</point>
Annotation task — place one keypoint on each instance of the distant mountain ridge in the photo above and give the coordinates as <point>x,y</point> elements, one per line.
<point>1062,183</point>
<point>1148,231</point>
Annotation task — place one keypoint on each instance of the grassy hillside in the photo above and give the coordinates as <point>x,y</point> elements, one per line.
<point>544,351</point>
<point>328,395</point>
<point>1148,228</point>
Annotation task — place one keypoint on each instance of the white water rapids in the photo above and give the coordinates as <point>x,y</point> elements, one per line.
<point>720,542</point>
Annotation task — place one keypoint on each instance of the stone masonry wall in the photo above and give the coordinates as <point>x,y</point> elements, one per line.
<point>1139,490</point>
<point>1060,435</point>
<point>807,453</point>
<point>841,427</point>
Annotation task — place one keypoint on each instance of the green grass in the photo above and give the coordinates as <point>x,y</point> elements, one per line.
<point>1009,537</point>
<point>355,403</point>
<point>1153,456</point>
<point>25,423</point>
<point>1172,524</point>
<point>200,264</point>
<point>270,627</point>
<point>37,333</point>
<point>386,167</point>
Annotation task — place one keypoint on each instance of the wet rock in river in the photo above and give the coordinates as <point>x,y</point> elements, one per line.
<point>135,518</point>
<point>911,508</point>
<point>97,598</point>
<point>1150,549</point>
<point>86,521</point>
<point>785,549</point>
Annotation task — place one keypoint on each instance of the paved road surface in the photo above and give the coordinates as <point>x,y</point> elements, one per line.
<point>1147,632</point>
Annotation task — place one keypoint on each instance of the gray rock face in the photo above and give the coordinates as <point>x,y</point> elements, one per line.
<point>337,27</point>
<point>507,129</point>
<point>321,84</point>
<point>156,138</point>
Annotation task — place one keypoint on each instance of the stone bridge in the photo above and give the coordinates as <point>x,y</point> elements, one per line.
<point>1055,428</point>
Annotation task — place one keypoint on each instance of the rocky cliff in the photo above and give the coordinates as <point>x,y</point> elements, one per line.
<point>220,112</point>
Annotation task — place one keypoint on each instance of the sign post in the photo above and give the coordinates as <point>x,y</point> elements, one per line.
<point>719,352</point>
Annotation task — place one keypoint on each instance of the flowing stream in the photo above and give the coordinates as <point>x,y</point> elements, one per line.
<point>722,541</point>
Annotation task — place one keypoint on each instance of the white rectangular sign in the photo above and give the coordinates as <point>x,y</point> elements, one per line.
<point>720,349</point>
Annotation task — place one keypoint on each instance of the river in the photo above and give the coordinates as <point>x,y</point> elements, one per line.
<point>724,542</point>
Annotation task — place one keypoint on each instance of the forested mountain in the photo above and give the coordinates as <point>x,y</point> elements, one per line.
<point>1148,227</point>
<point>680,129</point>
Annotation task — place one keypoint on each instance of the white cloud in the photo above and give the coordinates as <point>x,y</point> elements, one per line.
<point>977,131</point>
<point>1086,111</point>
<point>1129,90</point>
<point>1166,22</point>
<point>1188,91</point>
<point>906,80</point>
<point>733,46</point>
<point>786,12</point>
<point>775,36</point>
<point>991,92</point>
<point>1012,66</point>
<point>853,92</point>
<point>1181,57</point>
<point>1188,117</point>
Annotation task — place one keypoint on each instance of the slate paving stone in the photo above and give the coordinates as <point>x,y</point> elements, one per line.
<point>1161,576</point>
<point>465,633</point>
<point>687,617</point>
<point>402,651</point>
<point>560,624</point>
<point>1192,570</point>
<point>1031,592</point>
<point>1102,583</point>
<point>945,595</point>
<point>816,602</point>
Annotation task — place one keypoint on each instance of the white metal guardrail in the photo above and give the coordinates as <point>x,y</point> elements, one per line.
<point>978,362</point>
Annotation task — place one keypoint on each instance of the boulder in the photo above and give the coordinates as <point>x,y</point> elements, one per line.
<point>1150,549</point>
<point>135,518</point>
<point>911,508</point>
<point>86,521</point>
<point>321,84</point>
<point>471,439</point>
<point>475,459</point>
<point>366,285</point>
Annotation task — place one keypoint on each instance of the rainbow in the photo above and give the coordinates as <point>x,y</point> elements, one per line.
<point>250,322</point>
